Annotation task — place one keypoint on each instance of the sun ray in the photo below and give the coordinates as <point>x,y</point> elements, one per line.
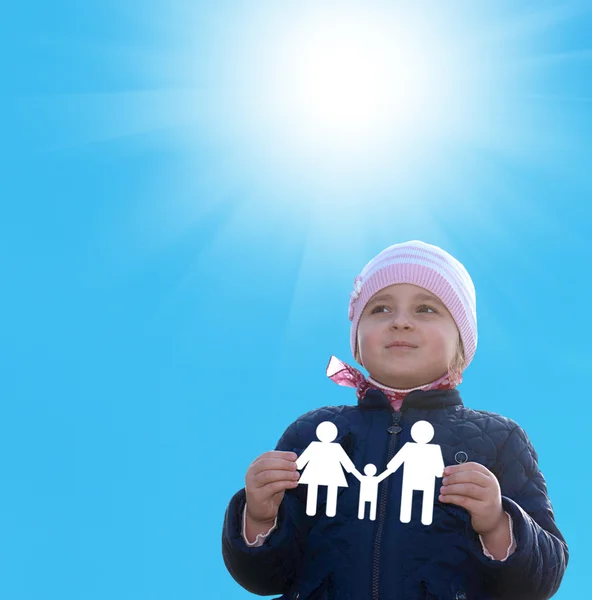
<point>108,117</point>
<point>335,112</point>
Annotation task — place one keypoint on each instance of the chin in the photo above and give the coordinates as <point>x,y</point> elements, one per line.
<point>401,381</point>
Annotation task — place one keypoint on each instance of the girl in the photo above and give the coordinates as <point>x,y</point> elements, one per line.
<point>493,534</point>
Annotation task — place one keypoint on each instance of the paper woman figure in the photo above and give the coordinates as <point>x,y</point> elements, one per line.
<point>423,462</point>
<point>326,461</point>
<point>369,490</point>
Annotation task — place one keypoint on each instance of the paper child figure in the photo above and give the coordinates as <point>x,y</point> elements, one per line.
<point>423,462</point>
<point>326,461</point>
<point>369,490</point>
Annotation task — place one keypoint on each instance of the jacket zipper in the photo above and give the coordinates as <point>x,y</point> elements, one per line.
<point>394,431</point>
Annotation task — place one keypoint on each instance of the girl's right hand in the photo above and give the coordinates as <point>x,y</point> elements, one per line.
<point>268,477</point>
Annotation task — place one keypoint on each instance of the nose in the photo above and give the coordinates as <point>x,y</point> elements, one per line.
<point>401,320</point>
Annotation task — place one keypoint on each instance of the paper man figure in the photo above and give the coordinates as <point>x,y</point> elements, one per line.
<point>369,490</point>
<point>326,461</point>
<point>423,462</point>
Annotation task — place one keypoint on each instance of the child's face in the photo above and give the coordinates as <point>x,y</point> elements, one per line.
<point>407,313</point>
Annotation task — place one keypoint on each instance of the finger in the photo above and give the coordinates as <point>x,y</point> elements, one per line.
<point>278,464</point>
<point>277,486</point>
<point>468,466</point>
<point>278,454</point>
<point>476,477</point>
<point>464,489</point>
<point>265,477</point>
<point>469,504</point>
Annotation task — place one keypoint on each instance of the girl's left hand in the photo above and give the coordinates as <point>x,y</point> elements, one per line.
<point>476,489</point>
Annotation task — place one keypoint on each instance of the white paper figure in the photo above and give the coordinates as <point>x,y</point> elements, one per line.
<point>423,462</point>
<point>326,461</point>
<point>369,490</point>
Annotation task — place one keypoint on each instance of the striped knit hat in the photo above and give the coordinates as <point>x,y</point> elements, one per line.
<point>426,266</point>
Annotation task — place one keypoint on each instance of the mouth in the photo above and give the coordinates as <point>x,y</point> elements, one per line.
<point>400,346</point>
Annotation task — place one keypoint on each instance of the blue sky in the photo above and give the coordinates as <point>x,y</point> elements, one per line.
<point>189,190</point>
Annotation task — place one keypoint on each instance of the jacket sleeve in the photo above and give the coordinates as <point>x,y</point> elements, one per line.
<point>272,567</point>
<point>536,568</point>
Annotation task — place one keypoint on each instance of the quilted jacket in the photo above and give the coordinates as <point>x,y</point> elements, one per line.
<point>343,557</point>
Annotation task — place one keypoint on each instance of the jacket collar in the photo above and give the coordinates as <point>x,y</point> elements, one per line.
<point>422,399</point>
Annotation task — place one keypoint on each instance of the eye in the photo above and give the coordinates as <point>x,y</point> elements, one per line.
<point>426,306</point>
<point>377,308</point>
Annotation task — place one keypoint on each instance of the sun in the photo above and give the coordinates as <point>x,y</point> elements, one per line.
<point>351,89</point>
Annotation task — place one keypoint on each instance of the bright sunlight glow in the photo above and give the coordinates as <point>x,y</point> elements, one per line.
<point>333,111</point>
<point>346,81</point>
<point>351,89</point>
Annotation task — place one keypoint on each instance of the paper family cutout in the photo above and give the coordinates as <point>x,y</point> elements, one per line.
<point>323,463</point>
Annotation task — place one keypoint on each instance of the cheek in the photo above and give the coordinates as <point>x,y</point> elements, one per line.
<point>440,340</point>
<point>368,338</point>
<point>444,342</point>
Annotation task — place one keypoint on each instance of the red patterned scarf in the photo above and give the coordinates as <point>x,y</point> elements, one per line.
<point>343,374</point>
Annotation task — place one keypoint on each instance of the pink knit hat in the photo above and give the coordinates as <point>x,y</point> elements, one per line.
<point>426,266</point>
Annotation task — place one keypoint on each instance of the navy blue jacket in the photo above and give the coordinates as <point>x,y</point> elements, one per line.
<point>343,557</point>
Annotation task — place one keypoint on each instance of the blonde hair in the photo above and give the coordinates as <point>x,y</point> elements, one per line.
<point>457,364</point>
